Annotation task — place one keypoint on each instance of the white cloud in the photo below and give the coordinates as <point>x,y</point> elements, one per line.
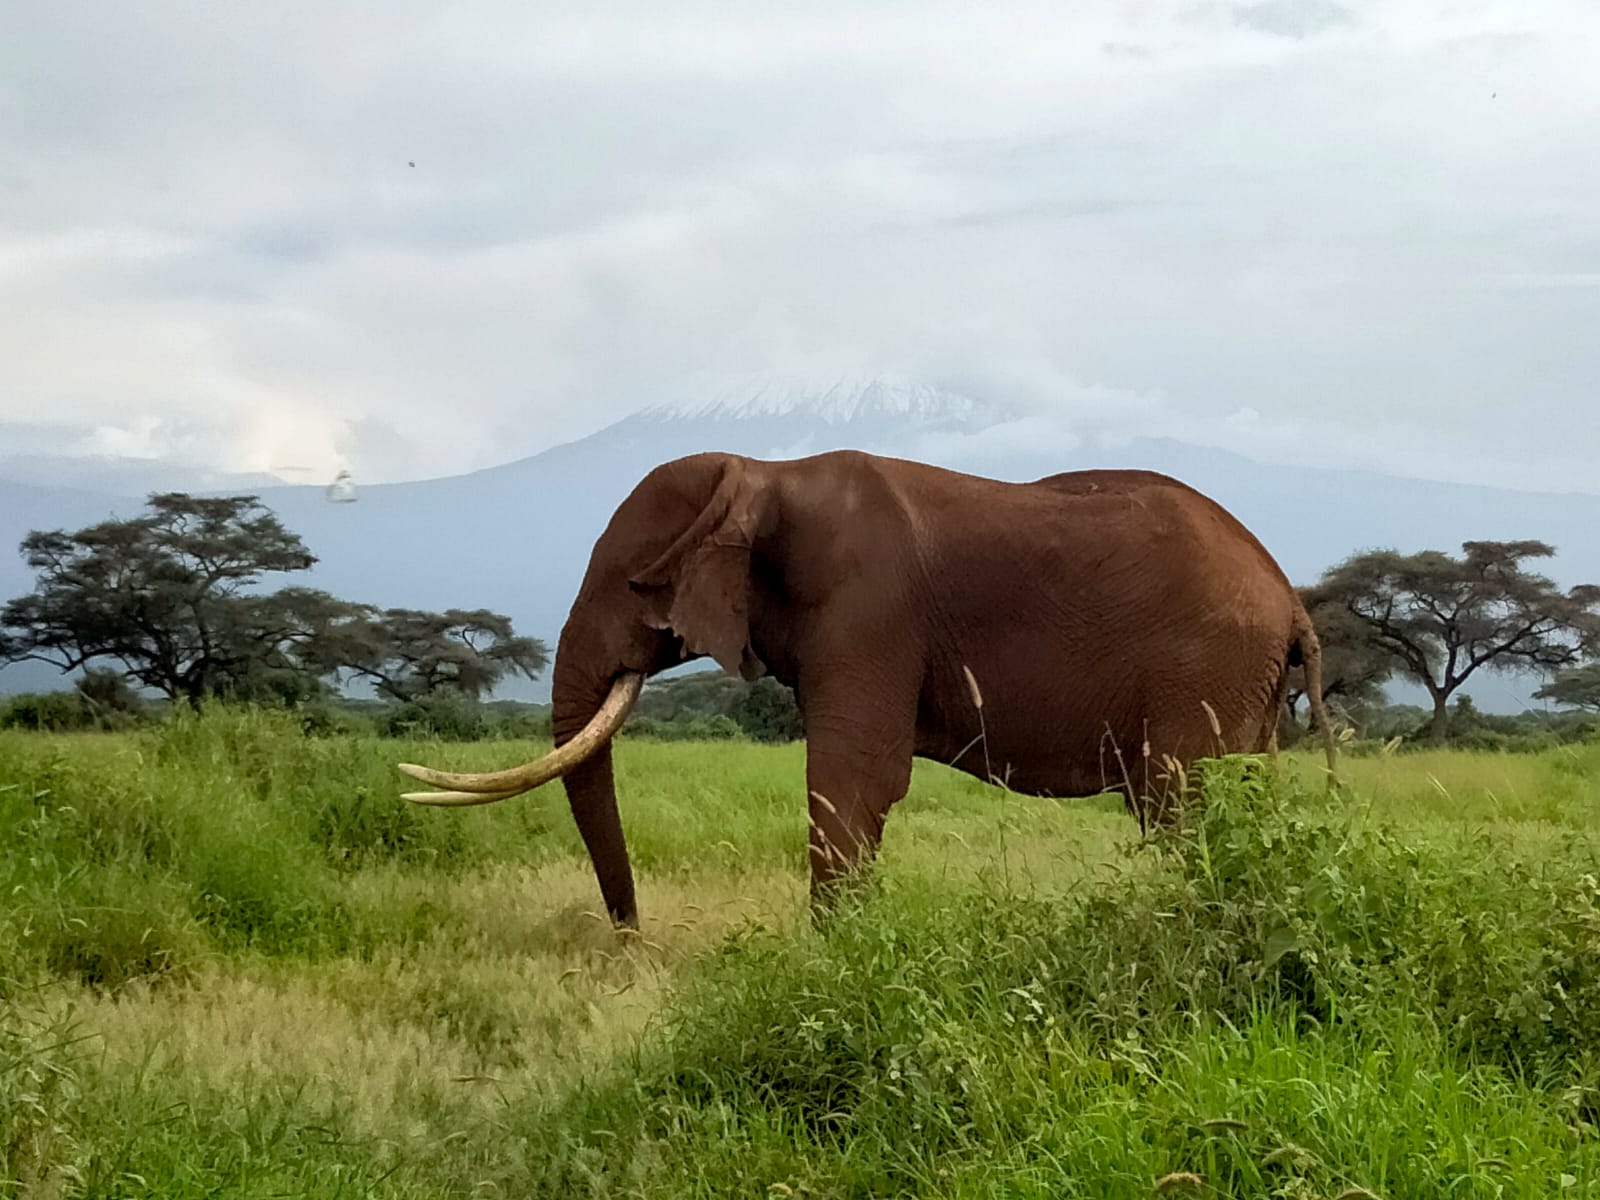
<point>1374,225</point>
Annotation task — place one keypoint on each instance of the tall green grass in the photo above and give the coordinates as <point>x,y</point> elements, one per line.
<point>233,963</point>
<point>1310,1003</point>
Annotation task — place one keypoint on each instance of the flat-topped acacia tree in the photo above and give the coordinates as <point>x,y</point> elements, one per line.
<point>173,597</point>
<point>1443,617</point>
<point>168,595</point>
<point>1577,688</point>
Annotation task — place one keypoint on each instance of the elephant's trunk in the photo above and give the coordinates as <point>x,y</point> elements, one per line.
<point>586,714</point>
<point>591,786</point>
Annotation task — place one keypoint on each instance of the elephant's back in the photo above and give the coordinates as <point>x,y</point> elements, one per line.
<point>1158,497</point>
<point>1100,609</point>
<point>1136,535</point>
<point>1133,555</point>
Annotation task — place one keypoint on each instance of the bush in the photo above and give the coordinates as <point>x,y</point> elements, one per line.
<point>100,699</point>
<point>323,719</point>
<point>445,713</point>
<point>46,712</point>
<point>718,728</point>
<point>524,726</point>
<point>892,1038</point>
<point>110,700</point>
<point>767,712</point>
<point>688,709</point>
<point>1468,728</point>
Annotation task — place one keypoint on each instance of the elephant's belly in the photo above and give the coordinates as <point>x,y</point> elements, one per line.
<point>1058,743</point>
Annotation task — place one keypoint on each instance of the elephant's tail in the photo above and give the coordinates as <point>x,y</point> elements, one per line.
<point>1310,650</point>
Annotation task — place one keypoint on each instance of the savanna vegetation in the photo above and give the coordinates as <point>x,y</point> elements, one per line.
<point>233,964</point>
<point>1438,620</point>
<point>175,601</point>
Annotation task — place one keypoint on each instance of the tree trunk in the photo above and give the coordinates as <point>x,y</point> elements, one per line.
<point>194,690</point>
<point>1441,719</point>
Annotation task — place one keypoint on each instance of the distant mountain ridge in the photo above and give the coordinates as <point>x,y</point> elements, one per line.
<point>517,537</point>
<point>102,474</point>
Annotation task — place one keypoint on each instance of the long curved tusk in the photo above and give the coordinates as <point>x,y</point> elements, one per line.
<point>489,786</point>
<point>457,799</point>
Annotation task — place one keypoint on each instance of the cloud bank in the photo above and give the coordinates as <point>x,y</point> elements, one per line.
<point>419,241</point>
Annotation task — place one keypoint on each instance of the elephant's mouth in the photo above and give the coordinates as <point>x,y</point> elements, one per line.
<point>490,786</point>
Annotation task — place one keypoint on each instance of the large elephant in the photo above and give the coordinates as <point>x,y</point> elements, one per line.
<point>1083,631</point>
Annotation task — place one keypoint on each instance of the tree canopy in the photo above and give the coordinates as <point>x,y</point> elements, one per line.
<point>1441,618</point>
<point>406,653</point>
<point>174,598</point>
<point>1577,688</point>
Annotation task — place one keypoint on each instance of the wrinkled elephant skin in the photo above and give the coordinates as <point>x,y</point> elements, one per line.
<point>1085,631</point>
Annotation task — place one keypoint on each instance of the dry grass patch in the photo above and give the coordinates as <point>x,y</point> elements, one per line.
<point>521,990</point>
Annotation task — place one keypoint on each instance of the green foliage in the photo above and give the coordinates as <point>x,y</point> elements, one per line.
<point>113,927</point>
<point>517,719</point>
<point>1440,619</point>
<point>447,713</point>
<point>1285,994</point>
<point>52,712</point>
<point>715,728</point>
<point>767,712</point>
<point>360,824</point>
<point>1258,963</point>
<point>39,1085</point>
<point>215,832</point>
<point>712,706</point>
<point>1577,688</point>
<point>101,700</point>
<point>409,654</point>
<point>1466,728</point>
<point>109,699</point>
<point>146,1136</point>
<point>173,598</point>
<point>1255,907</point>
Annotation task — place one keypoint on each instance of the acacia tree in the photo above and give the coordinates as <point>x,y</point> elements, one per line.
<point>162,594</point>
<point>406,653</point>
<point>1577,688</point>
<point>173,598</point>
<point>1442,618</point>
<point>296,638</point>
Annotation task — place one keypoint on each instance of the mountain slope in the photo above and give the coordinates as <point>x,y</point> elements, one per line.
<point>517,537</point>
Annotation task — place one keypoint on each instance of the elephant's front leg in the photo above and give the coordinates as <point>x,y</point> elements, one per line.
<point>858,763</point>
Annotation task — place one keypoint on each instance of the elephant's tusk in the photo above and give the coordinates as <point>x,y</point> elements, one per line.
<point>489,786</point>
<point>456,799</point>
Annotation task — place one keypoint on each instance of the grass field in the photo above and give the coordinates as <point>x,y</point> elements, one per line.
<point>233,963</point>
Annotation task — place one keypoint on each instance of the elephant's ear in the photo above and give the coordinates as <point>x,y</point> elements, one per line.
<point>700,587</point>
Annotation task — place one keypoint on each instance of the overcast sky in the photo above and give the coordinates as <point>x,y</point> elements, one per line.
<point>1328,231</point>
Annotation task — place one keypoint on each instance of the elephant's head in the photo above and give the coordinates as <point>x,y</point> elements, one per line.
<point>668,580</point>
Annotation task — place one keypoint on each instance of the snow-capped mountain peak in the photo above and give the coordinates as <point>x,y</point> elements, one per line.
<point>834,400</point>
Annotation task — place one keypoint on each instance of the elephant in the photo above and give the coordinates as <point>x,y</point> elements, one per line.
<point>1088,631</point>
